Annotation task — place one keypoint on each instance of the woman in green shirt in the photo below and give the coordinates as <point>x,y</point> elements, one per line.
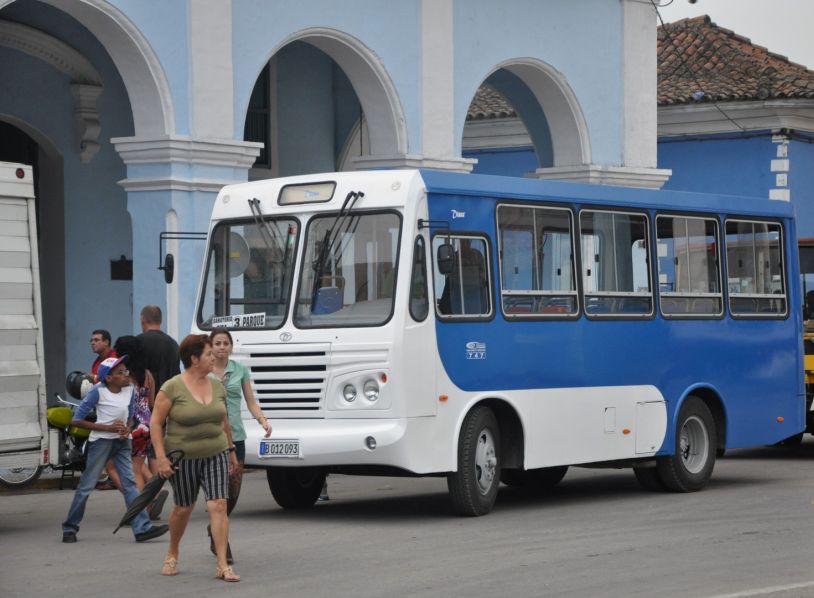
<point>192,408</point>
<point>237,380</point>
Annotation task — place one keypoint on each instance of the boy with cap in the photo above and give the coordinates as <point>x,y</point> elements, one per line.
<point>112,398</point>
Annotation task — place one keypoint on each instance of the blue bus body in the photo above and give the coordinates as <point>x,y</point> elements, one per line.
<point>752,366</point>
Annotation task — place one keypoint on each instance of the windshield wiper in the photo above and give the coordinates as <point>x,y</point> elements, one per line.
<point>270,235</point>
<point>329,240</point>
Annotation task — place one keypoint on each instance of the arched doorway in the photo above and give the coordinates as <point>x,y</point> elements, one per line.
<point>525,114</point>
<point>323,102</point>
<point>77,74</point>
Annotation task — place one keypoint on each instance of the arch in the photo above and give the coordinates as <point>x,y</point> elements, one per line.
<point>384,115</point>
<point>568,130</point>
<point>141,71</point>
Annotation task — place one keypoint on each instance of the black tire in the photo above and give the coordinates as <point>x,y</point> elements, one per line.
<point>19,477</point>
<point>295,487</point>
<point>534,481</point>
<point>473,488</point>
<point>690,467</point>
<point>648,478</point>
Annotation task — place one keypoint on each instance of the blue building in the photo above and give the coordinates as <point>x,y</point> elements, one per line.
<point>135,112</point>
<point>732,118</point>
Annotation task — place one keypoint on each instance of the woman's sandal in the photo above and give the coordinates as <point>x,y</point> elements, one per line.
<point>170,566</point>
<point>226,574</point>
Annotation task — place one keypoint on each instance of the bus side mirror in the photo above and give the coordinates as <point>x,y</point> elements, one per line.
<point>168,267</point>
<point>445,259</point>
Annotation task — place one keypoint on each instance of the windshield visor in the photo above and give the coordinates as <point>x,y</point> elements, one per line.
<point>348,273</point>
<point>248,274</point>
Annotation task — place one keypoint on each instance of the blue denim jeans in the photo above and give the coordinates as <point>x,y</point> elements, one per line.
<point>99,452</point>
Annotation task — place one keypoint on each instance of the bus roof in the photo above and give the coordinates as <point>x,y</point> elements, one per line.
<point>381,188</point>
<point>521,188</point>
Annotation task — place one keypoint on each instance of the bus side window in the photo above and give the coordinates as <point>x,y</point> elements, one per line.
<point>754,263</point>
<point>419,299</point>
<point>465,291</point>
<point>616,272</point>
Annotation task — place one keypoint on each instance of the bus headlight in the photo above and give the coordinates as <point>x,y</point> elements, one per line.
<point>349,392</point>
<point>371,390</point>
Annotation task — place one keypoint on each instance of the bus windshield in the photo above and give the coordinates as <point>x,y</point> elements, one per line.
<point>248,274</point>
<point>349,267</point>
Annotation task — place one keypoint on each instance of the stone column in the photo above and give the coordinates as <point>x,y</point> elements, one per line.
<point>174,181</point>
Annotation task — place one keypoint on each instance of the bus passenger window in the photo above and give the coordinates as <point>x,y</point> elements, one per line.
<point>536,261</point>
<point>689,273</point>
<point>615,270</point>
<point>754,263</point>
<point>465,291</point>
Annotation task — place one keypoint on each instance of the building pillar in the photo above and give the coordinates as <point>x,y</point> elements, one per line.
<point>173,182</point>
<point>638,161</point>
<point>438,144</point>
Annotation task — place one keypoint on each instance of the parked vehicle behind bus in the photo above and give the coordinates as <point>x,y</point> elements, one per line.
<point>23,428</point>
<point>491,329</point>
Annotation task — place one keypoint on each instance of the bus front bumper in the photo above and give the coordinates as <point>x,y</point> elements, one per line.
<point>327,442</point>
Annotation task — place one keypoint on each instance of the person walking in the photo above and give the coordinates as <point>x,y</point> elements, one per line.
<point>236,379</point>
<point>100,344</point>
<point>113,399</point>
<point>160,349</point>
<point>144,463</point>
<point>192,408</point>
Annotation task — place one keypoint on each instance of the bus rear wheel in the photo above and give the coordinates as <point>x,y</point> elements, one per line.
<point>534,481</point>
<point>295,487</point>
<point>473,488</point>
<point>690,467</point>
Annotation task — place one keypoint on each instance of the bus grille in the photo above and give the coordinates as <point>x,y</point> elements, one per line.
<point>289,379</point>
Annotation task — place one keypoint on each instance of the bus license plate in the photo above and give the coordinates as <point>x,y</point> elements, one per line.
<point>280,448</point>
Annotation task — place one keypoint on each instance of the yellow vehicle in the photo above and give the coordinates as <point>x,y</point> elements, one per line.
<point>806,249</point>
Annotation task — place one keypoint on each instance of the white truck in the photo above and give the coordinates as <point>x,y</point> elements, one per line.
<point>23,426</point>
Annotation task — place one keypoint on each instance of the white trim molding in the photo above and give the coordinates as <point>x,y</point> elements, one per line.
<point>50,50</point>
<point>86,83</point>
<point>707,119</point>
<point>185,151</point>
<point>403,161</point>
<point>620,176</point>
<point>139,67</point>
<point>499,133</point>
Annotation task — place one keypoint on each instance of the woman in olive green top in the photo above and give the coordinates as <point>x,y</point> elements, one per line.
<point>192,409</point>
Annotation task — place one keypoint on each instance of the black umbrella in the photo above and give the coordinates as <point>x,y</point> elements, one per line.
<point>149,492</point>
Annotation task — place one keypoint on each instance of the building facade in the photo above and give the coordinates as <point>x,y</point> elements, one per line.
<point>135,112</point>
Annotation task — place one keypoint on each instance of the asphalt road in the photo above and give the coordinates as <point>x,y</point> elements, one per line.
<point>750,533</point>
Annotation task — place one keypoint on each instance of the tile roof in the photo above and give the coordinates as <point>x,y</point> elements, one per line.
<point>728,67</point>
<point>488,103</point>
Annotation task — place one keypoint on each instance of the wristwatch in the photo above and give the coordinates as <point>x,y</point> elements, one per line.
<point>231,449</point>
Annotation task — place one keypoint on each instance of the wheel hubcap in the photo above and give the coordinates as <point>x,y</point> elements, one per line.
<point>694,444</point>
<point>485,461</point>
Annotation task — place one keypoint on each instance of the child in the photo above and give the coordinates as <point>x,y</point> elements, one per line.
<point>112,398</point>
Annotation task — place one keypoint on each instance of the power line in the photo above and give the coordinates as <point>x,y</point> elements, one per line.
<point>687,67</point>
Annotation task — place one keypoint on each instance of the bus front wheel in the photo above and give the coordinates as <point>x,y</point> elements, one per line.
<point>473,488</point>
<point>295,487</point>
<point>690,467</point>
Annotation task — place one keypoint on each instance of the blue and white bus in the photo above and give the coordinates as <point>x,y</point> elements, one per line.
<point>495,329</point>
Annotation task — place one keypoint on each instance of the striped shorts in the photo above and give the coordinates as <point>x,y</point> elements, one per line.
<point>209,473</point>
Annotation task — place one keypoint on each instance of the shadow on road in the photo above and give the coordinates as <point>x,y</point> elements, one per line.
<point>579,487</point>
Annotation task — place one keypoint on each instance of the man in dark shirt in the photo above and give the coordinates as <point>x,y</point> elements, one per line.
<point>160,350</point>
